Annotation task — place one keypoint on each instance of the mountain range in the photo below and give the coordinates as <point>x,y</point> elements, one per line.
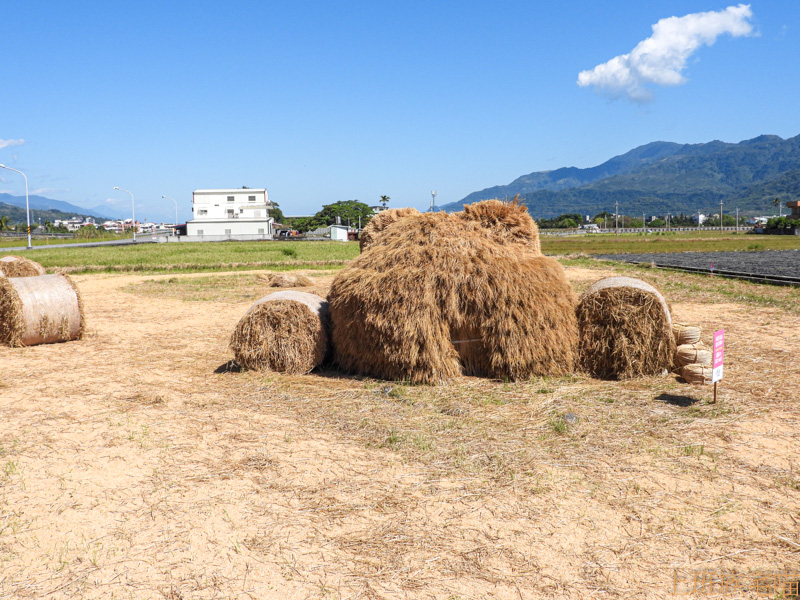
<point>40,203</point>
<point>665,177</point>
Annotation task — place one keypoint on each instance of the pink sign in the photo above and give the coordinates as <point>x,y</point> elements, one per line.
<point>719,354</point>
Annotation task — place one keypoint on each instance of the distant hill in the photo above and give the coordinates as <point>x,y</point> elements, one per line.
<point>663,177</point>
<point>46,204</point>
<point>17,214</point>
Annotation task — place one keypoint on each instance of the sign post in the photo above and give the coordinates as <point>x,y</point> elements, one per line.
<point>717,360</point>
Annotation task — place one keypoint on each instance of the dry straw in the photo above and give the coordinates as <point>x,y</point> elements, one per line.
<point>685,334</point>
<point>625,330</point>
<point>506,222</point>
<point>692,354</point>
<point>438,295</point>
<point>286,280</point>
<point>284,331</point>
<point>697,374</point>
<point>381,221</point>
<point>17,266</point>
<point>40,310</point>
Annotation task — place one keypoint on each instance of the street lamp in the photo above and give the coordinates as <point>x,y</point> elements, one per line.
<point>27,206</point>
<point>176,207</point>
<point>133,210</point>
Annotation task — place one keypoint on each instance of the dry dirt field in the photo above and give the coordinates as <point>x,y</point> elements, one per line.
<point>133,465</point>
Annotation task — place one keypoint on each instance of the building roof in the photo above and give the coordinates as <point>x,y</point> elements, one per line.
<point>237,190</point>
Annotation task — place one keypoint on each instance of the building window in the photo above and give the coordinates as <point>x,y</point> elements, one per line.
<point>199,232</point>
<point>230,213</point>
<point>241,210</point>
<point>227,232</point>
<point>261,231</point>
<point>201,212</point>
<point>251,198</point>
<point>230,198</point>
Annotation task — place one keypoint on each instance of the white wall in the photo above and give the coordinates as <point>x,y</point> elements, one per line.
<point>230,212</point>
<point>230,227</point>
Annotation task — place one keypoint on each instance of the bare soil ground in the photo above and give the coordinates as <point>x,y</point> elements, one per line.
<point>130,468</point>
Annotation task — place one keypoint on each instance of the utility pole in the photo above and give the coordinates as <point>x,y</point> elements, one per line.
<point>737,219</point>
<point>433,199</point>
<point>616,217</point>
<point>643,224</point>
<point>720,216</point>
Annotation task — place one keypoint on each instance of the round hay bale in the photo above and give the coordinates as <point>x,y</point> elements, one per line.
<point>692,354</point>
<point>437,296</point>
<point>685,334</point>
<point>697,374</point>
<point>287,280</point>
<point>381,221</point>
<point>18,266</point>
<point>40,310</point>
<point>285,332</point>
<point>625,330</point>
<point>507,222</point>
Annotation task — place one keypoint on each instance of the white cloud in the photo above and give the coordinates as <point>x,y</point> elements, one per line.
<point>660,58</point>
<point>9,143</point>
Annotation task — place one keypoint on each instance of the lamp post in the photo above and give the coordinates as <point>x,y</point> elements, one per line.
<point>133,210</point>
<point>27,205</point>
<point>176,207</point>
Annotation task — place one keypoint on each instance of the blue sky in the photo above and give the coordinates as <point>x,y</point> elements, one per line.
<point>324,101</point>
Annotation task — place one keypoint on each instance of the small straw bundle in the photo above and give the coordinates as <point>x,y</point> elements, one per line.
<point>440,295</point>
<point>40,310</point>
<point>697,374</point>
<point>286,280</point>
<point>685,334</point>
<point>381,221</point>
<point>284,331</point>
<point>692,354</point>
<point>625,330</point>
<point>17,266</point>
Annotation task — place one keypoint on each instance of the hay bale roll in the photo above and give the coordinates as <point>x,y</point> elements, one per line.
<point>17,266</point>
<point>692,354</point>
<point>625,330</point>
<point>40,310</point>
<point>284,331</point>
<point>286,280</point>
<point>685,334</point>
<point>437,296</point>
<point>697,374</point>
<point>506,222</point>
<point>381,221</point>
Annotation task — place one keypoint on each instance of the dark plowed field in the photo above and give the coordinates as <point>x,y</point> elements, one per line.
<point>767,263</point>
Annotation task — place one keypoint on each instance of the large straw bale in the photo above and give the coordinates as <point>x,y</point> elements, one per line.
<point>286,280</point>
<point>284,331</point>
<point>506,222</point>
<point>381,221</point>
<point>625,329</point>
<point>18,266</point>
<point>437,296</point>
<point>40,310</point>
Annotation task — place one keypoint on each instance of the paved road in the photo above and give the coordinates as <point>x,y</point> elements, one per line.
<point>780,263</point>
<point>15,250</point>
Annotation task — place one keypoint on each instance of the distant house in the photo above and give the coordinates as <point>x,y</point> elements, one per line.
<point>237,212</point>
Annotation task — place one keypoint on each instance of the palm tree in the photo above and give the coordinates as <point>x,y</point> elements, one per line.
<point>4,223</point>
<point>385,202</point>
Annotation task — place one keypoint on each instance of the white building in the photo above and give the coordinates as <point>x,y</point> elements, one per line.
<point>232,213</point>
<point>338,233</point>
